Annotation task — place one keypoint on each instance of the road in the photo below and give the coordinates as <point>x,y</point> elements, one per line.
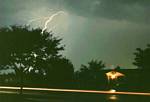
<point>69,95</point>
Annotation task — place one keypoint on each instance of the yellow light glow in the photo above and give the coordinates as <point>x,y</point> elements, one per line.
<point>113,75</point>
<point>112,90</point>
<point>73,90</point>
<point>113,97</point>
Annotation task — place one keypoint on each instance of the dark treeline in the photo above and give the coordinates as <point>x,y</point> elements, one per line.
<point>36,61</point>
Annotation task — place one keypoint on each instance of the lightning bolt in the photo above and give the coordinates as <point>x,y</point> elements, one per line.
<point>50,19</point>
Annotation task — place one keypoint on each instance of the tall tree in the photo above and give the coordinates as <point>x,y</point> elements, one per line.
<point>23,48</point>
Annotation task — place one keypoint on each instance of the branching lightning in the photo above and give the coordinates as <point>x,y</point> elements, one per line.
<point>50,19</point>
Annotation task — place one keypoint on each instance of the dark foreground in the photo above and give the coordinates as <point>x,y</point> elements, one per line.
<point>40,96</point>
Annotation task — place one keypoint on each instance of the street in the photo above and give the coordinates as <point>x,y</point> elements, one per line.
<point>11,94</point>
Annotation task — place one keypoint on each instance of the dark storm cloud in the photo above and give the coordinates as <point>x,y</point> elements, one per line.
<point>132,10</point>
<point>17,11</point>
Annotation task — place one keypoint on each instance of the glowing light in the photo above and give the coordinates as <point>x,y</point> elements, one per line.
<point>113,75</point>
<point>80,91</point>
<point>113,97</point>
<point>112,90</point>
<point>50,19</point>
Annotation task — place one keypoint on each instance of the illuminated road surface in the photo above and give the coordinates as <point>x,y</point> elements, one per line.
<point>71,90</point>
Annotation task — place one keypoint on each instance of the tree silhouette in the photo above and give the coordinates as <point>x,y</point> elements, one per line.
<point>91,76</point>
<point>142,58</point>
<point>59,72</point>
<point>23,48</point>
<point>142,61</point>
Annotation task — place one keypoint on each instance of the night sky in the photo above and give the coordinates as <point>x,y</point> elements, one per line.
<point>109,30</point>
